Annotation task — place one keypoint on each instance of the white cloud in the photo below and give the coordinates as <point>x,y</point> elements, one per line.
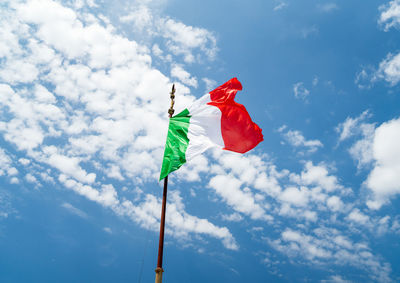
<point>298,88</point>
<point>114,172</point>
<point>300,213</point>
<point>191,171</point>
<point>324,246</point>
<point>83,99</point>
<point>180,73</point>
<point>317,175</point>
<point>248,179</point>
<point>6,164</point>
<point>389,69</point>
<point>192,43</point>
<point>210,84</point>
<point>70,166</point>
<point>147,213</point>
<point>335,279</point>
<point>357,216</point>
<point>180,223</point>
<point>315,81</point>
<point>384,179</point>
<point>141,17</point>
<point>327,7</point>
<point>235,217</point>
<point>107,230</point>
<point>306,243</point>
<point>295,196</point>
<point>183,39</point>
<point>24,161</point>
<point>280,5</point>
<point>335,203</point>
<point>296,139</point>
<point>43,95</point>
<point>390,15</point>
<point>6,205</point>
<point>242,200</point>
<point>305,33</point>
<point>361,150</point>
<point>365,78</point>
<point>72,209</point>
<point>351,126</point>
<point>252,186</point>
<point>31,179</point>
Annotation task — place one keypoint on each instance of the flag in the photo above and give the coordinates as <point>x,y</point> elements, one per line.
<point>214,120</point>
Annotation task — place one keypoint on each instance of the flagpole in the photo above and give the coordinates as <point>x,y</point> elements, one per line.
<point>159,270</point>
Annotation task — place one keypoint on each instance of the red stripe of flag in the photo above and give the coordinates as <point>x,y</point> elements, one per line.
<point>239,132</point>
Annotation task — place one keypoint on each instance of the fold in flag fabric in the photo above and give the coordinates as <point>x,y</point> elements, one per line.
<point>214,120</point>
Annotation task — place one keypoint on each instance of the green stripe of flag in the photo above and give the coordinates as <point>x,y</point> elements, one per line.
<point>177,143</point>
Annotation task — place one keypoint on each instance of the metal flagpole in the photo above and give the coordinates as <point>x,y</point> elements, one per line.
<point>159,269</point>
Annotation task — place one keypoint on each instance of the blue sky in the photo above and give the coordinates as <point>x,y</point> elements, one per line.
<point>83,103</point>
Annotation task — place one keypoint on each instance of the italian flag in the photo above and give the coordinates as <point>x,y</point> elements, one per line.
<point>214,120</point>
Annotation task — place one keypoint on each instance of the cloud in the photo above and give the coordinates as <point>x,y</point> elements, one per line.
<point>69,166</point>
<point>24,161</point>
<point>280,5</point>
<point>300,91</point>
<point>305,33</point>
<point>6,164</point>
<point>180,223</point>
<point>327,7</point>
<point>296,139</point>
<point>72,209</point>
<point>351,126</point>
<point>366,78</point>
<point>147,213</point>
<point>235,217</point>
<point>252,187</point>
<point>80,98</point>
<point>141,17</point>
<point>242,200</point>
<point>384,179</point>
<point>389,69</point>
<point>107,230</point>
<point>390,15</point>
<point>182,39</point>
<point>358,217</point>
<point>31,179</point>
<point>324,246</point>
<point>361,150</point>
<point>317,175</point>
<point>295,196</point>
<point>335,279</point>
<point>6,206</point>
<point>335,203</point>
<point>315,81</point>
<point>179,73</point>
<point>192,43</point>
<point>210,84</point>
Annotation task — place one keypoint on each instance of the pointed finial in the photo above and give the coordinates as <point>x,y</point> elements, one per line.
<point>171,109</point>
